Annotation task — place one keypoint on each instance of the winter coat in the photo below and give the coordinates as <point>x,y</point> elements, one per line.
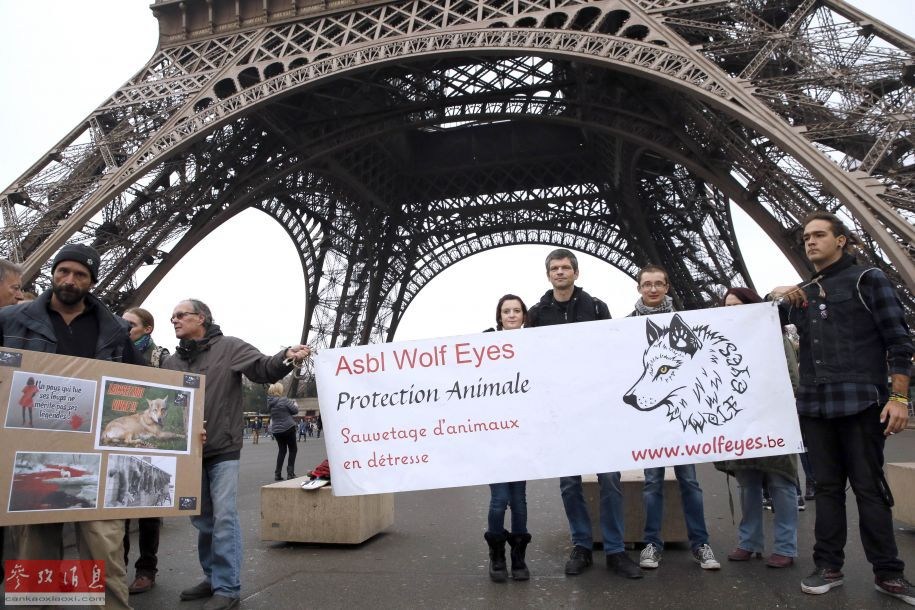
<point>582,307</point>
<point>28,326</point>
<point>281,411</point>
<point>224,360</point>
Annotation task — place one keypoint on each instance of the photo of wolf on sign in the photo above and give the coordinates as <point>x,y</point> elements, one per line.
<point>695,372</point>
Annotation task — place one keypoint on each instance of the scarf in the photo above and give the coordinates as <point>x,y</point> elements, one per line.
<point>188,348</point>
<point>666,306</point>
<point>142,344</point>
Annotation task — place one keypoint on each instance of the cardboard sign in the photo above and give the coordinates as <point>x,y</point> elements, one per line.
<point>696,386</point>
<point>89,439</point>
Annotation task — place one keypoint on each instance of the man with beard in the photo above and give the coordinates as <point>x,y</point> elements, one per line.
<point>69,321</point>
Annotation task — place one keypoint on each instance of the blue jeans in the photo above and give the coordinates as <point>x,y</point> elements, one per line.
<point>219,531</point>
<point>502,496</point>
<point>690,495</point>
<point>611,511</point>
<point>784,505</point>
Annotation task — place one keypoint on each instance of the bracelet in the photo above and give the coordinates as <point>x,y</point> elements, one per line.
<point>899,398</point>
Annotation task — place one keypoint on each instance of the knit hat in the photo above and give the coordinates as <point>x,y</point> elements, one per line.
<point>81,254</point>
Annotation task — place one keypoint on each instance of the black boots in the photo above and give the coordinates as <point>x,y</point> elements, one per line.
<point>497,569</point>
<point>277,476</point>
<point>518,544</point>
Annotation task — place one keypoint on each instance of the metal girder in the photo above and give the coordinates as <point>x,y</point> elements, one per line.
<point>393,139</point>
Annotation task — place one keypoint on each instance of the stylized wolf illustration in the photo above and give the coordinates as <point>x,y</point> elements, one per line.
<point>694,372</point>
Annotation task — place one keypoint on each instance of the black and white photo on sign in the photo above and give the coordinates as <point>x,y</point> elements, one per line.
<point>54,481</point>
<point>49,402</point>
<point>134,481</point>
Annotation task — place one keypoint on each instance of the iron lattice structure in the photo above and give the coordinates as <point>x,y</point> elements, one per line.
<point>393,139</point>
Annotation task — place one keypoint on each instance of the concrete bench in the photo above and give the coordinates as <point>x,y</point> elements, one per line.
<point>292,514</point>
<point>901,479</point>
<point>673,526</point>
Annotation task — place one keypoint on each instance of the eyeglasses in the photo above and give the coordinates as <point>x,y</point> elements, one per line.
<point>655,285</point>
<point>180,315</point>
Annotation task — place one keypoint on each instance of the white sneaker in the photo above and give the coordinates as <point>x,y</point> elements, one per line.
<point>650,557</point>
<point>706,558</point>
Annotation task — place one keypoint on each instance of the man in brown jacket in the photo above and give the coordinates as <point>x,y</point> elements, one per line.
<point>203,349</point>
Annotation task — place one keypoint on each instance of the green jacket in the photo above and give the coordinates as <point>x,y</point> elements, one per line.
<point>785,465</point>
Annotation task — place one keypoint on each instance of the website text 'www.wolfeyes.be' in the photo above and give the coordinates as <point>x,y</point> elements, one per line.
<point>718,445</point>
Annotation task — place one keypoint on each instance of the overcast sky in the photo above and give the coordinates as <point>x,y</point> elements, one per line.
<point>62,58</point>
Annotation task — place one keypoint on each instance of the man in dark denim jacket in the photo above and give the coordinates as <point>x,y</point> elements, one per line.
<point>853,336</point>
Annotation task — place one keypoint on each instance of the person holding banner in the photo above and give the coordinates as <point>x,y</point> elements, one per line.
<point>68,320</point>
<point>853,336</point>
<point>567,303</point>
<point>203,349</point>
<point>142,325</point>
<point>779,471</point>
<point>511,313</point>
<point>653,286</point>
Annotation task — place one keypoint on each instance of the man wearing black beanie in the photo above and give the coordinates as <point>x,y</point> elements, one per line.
<point>68,320</point>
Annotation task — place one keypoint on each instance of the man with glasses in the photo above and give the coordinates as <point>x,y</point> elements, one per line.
<point>853,336</point>
<point>67,320</point>
<point>653,287</point>
<point>205,350</point>
<point>567,303</point>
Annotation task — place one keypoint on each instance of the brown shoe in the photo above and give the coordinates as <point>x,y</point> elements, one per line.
<point>779,561</point>
<point>740,554</point>
<point>142,584</point>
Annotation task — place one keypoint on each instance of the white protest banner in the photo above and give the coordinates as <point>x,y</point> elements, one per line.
<point>695,386</point>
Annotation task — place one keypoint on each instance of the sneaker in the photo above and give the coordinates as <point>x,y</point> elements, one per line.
<point>623,565</point>
<point>801,505</point>
<point>896,587</point>
<point>578,560</point>
<point>822,580</point>
<point>650,557</point>
<point>706,558</point>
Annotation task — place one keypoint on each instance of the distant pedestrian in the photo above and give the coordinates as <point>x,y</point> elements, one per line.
<point>282,427</point>
<point>303,429</point>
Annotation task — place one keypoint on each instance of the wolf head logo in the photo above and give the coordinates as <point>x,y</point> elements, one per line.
<point>693,372</point>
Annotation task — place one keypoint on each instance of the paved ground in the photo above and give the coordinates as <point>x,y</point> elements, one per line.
<point>434,557</point>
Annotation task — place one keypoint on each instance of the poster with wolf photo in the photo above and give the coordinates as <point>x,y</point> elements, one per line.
<point>85,439</point>
<point>144,417</point>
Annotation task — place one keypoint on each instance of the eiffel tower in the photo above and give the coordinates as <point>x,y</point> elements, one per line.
<point>393,139</point>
